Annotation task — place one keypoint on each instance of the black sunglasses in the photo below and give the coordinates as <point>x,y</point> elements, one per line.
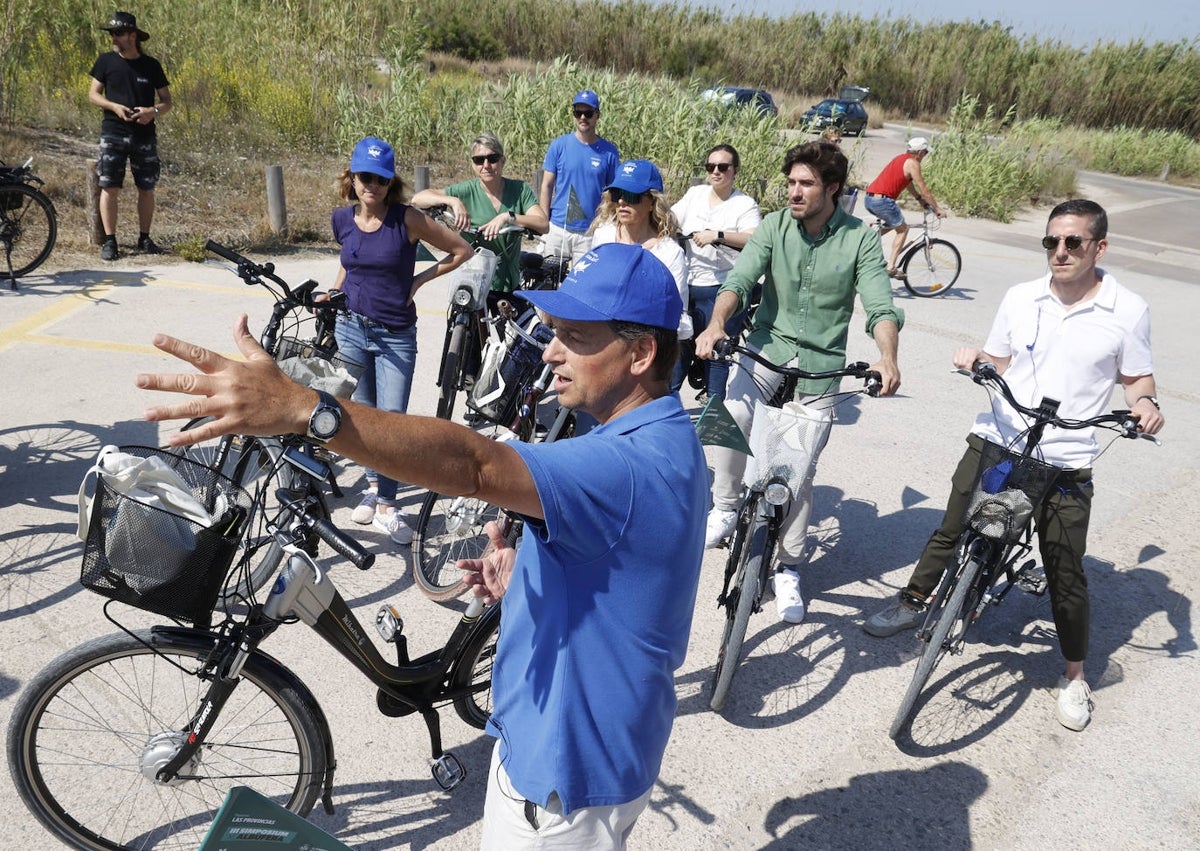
<point>120,32</point>
<point>721,167</point>
<point>366,178</point>
<point>584,113</point>
<point>1050,243</point>
<point>630,198</point>
<point>480,159</point>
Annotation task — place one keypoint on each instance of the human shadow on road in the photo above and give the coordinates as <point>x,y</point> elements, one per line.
<point>387,814</point>
<point>877,810</point>
<point>78,281</point>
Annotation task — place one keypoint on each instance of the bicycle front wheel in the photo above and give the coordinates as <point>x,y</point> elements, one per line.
<point>930,268</point>
<point>90,732</point>
<point>740,603</point>
<point>448,528</point>
<point>28,228</point>
<point>948,615</point>
<point>451,367</point>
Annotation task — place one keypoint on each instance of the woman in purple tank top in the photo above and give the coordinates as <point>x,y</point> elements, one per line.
<point>378,234</point>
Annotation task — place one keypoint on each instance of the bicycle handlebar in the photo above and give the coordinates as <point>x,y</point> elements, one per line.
<point>441,213</point>
<point>338,540</point>
<point>984,373</point>
<point>726,349</point>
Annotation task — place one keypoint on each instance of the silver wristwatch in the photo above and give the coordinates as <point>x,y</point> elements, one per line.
<point>325,419</point>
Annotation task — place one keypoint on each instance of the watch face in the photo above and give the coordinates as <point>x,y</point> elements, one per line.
<point>325,423</point>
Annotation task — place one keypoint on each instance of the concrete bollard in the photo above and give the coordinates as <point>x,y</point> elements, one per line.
<point>276,205</point>
<point>420,178</point>
<point>95,225</point>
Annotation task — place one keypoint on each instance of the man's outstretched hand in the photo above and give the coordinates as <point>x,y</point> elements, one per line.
<point>243,397</point>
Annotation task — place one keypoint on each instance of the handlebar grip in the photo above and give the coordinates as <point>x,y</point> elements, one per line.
<point>342,544</point>
<point>222,251</point>
<point>724,348</point>
<point>874,382</point>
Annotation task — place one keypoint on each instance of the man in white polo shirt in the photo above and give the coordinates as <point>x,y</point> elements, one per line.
<point>1068,335</point>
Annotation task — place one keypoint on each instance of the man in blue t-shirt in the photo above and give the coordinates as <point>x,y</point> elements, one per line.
<point>575,171</point>
<point>598,598</point>
<point>133,91</point>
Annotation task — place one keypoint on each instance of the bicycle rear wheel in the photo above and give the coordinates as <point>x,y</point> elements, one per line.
<point>451,367</point>
<point>949,614</point>
<point>740,603</point>
<point>474,671</point>
<point>28,228</point>
<point>448,528</point>
<point>91,730</point>
<point>931,268</point>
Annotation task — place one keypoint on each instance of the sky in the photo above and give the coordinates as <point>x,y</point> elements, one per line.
<point>1079,23</point>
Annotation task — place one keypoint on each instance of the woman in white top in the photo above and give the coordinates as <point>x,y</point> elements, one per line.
<point>717,220</point>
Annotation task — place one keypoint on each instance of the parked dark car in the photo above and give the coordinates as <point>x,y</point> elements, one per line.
<point>732,96</point>
<point>845,112</point>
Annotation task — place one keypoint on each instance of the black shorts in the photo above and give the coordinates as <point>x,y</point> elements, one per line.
<point>142,155</point>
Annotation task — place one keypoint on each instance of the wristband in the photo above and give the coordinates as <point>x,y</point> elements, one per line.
<point>1153,401</point>
<point>721,237</point>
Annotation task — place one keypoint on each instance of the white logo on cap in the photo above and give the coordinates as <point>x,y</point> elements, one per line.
<point>375,152</point>
<point>581,264</point>
<point>629,168</point>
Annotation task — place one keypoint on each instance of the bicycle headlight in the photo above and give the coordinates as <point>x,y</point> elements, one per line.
<point>463,296</point>
<point>777,492</point>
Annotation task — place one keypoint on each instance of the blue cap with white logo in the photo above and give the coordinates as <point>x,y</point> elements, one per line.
<point>374,156</point>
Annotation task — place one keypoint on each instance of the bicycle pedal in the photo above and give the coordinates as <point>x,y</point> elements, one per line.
<point>388,623</point>
<point>448,771</point>
<point>1033,581</point>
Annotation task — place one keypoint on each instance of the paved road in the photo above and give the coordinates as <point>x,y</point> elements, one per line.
<point>800,758</point>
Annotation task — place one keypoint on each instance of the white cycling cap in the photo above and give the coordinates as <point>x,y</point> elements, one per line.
<point>918,143</point>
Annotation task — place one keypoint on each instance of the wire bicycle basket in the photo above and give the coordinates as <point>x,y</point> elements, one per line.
<point>1008,488</point>
<point>784,442</point>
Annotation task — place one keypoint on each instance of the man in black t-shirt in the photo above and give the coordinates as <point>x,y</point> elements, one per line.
<point>133,91</point>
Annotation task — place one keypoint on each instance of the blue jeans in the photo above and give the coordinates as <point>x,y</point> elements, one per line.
<point>703,300</point>
<point>389,358</point>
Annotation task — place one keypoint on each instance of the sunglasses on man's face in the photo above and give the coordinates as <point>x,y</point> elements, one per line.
<point>585,113</point>
<point>480,159</point>
<point>367,179</point>
<point>721,167</point>
<point>1072,242</point>
<point>630,198</point>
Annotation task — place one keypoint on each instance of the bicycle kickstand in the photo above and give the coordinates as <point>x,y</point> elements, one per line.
<point>448,771</point>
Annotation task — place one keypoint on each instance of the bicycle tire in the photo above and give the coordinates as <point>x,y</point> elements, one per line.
<point>935,271</point>
<point>99,718</point>
<point>28,228</point>
<point>448,528</point>
<point>451,367</point>
<point>935,648</point>
<point>474,665</point>
<point>747,591</point>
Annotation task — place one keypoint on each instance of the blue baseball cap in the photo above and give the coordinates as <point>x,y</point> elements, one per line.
<point>614,281</point>
<point>374,156</point>
<point>588,98</point>
<point>637,176</point>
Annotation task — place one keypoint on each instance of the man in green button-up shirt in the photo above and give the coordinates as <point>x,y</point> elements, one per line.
<point>814,258</point>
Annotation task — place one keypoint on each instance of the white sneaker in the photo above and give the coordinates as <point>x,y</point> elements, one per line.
<point>364,512</point>
<point>788,601</point>
<point>392,523</point>
<point>1074,704</point>
<point>720,526</point>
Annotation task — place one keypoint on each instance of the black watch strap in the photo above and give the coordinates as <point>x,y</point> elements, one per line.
<point>1153,401</point>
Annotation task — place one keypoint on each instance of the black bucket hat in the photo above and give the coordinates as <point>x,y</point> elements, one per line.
<point>125,21</point>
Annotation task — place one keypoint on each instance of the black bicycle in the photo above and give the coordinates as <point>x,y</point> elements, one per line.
<point>300,336</point>
<point>133,740</point>
<point>472,318</point>
<point>991,554</point>
<point>782,440</point>
<point>28,223</point>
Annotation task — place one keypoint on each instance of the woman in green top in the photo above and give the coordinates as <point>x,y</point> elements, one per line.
<point>490,202</point>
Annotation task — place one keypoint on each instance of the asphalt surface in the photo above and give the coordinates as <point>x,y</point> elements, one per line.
<point>800,758</point>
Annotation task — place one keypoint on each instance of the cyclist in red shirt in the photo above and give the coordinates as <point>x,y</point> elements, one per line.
<point>903,172</point>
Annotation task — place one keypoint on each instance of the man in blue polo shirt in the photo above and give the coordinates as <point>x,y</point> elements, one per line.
<point>575,171</point>
<point>598,599</point>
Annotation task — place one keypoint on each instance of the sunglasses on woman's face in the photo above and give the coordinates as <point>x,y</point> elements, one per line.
<point>721,167</point>
<point>368,179</point>
<point>630,198</point>
<point>480,159</point>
